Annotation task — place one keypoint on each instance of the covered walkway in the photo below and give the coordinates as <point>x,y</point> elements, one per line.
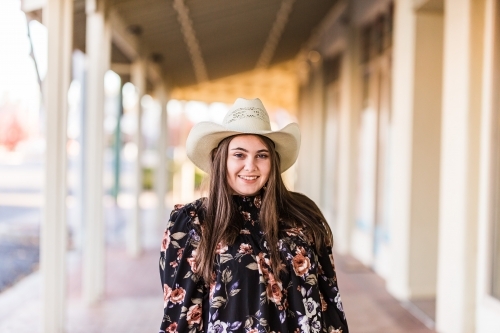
<point>397,104</point>
<point>133,300</point>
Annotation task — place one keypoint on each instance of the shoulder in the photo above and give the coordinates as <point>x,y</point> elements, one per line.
<point>191,208</point>
<point>310,217</point>
<point>187,215</point>
<point>304,200</point>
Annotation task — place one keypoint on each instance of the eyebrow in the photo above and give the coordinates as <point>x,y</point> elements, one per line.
<point>246,151</point>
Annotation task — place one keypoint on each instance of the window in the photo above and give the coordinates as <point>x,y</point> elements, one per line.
<point>388,26</point>
<point>495,272</point>
<point>366,44</point>
<point>331,70</point>
<point>496,261</point>
<point>495,276</point>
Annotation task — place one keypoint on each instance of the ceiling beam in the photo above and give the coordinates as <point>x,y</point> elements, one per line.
<point>120,68</point>
<point>191,41</point>
<point>321,29</point>
<point>154,72</point>
<point>275,34</point>
<point>124,40</point>
<point>132,48</point>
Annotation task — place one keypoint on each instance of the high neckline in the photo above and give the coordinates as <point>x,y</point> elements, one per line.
<point>246,202</point>
<point>240,197</point>
<point>245,197</point>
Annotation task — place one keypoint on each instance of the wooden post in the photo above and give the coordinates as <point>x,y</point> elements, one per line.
<point>138,78</point>
<point>98,56</point>
<point>161,172</point>
<point>459,183</point>
<point>58,17</point>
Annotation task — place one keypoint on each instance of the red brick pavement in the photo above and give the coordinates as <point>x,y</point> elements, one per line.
<point>133,302</point>
<point>368,306</point>
<point>134,299</point>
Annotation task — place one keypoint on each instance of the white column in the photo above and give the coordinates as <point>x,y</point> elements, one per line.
<point>310,162</point>
<point>488,308</point>
<point>161,172</point>
<point>415,152</point>
<point>187,180</point>
<point>317,114</point>
<point>462,87</point>
<point>98,45</point>
<point>183,179</point>
<point>302,166</point>
<point>348,144</point>
<point>58,17</point>
<point>138,78</point>
<point>401,145</point>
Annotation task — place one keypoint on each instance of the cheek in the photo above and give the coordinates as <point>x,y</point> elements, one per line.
<point>233,168</point>
<point>266,170</point>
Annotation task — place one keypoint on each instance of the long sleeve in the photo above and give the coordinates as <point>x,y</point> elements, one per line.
<point>311,289</point>
<point>329,292</point>
<point>183,291</point>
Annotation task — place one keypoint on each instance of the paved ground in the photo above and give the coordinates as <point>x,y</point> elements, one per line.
<point>20,199</point>
<point>18,258</point>
<point>368,306</point>
<point>133,302</point>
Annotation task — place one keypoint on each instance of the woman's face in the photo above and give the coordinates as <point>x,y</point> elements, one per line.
<point>248,164</point>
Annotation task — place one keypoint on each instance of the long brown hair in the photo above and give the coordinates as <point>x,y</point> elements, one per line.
<point>222,221</point>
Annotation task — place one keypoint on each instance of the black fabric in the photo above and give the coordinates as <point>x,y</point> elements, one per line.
<point>244,295</point>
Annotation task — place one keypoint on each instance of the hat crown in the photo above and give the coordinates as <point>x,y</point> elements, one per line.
<point>247,115</point>
<point>243,117</point>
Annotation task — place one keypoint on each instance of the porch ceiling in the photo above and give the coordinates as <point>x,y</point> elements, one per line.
<point>230,36</point>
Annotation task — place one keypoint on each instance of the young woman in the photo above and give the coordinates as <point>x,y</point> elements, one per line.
<point>252,256</point>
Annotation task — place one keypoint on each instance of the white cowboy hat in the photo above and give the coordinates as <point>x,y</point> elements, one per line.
<point>245,116</point>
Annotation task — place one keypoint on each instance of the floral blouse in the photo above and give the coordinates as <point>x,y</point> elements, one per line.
<point>244,295</point>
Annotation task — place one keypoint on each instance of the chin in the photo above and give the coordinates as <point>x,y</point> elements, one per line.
<point>249,192</point>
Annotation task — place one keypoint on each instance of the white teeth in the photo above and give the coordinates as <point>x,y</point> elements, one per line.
<point>248,177</point>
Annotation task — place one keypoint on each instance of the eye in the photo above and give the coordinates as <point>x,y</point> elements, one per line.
<point>263,156</point>
<point>238,155</point>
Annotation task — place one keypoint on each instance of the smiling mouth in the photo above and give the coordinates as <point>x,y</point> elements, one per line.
<point>249,177</point>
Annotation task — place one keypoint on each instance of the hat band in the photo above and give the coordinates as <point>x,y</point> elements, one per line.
<point>247,112</point>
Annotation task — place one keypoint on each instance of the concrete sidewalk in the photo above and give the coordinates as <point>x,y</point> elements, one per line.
<point>369,307</point>
<point>134,300</point>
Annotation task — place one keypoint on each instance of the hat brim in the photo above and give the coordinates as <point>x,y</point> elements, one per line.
<point>205,136</point>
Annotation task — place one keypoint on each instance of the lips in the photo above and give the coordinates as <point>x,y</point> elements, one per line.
<point>248,177</point>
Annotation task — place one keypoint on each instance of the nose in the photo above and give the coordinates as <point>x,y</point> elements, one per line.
<point>250,164</point>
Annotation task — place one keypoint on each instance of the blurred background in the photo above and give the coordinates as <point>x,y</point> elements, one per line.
<point>397,104</point>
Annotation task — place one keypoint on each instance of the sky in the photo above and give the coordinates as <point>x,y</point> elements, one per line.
<point>18,78</point>
<point>19,81</point>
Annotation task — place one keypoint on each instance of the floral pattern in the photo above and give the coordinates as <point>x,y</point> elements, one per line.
<point>244,294</point>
